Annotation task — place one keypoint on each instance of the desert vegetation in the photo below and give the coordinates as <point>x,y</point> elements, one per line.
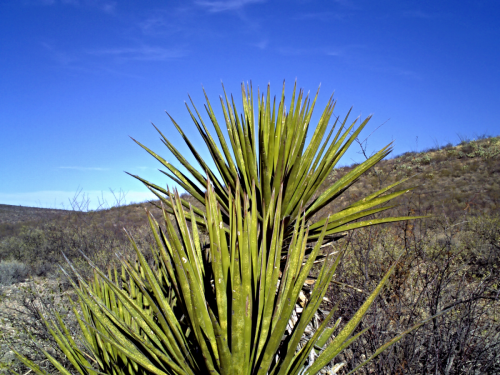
<point>448,261</point>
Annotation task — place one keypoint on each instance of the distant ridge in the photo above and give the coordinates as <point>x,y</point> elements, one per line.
<point>453,180</point>
<point>19,214</point>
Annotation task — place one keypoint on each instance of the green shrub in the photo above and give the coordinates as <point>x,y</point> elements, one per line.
<point>41,248</point>
<point>429,176</point>
<point>424,160</point>
<point>12,271</point>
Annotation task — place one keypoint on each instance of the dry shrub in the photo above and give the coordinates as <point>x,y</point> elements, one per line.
<point>12,271</point>
<point>453,265</point>
<point>21,309</point>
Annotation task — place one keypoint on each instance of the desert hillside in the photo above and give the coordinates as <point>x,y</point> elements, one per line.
<point>449,179</point>
<point>449,260</point>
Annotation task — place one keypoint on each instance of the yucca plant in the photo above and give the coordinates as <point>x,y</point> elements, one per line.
<point>224,306</point>
<point>222,310</point>
<point>269,148</point>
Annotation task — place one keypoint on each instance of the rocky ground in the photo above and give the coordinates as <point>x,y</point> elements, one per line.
<point>20,308</point>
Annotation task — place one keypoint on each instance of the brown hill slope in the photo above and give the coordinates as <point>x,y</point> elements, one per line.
<point>452,180</point>
<point>12,218</point>
<point>19,214</point>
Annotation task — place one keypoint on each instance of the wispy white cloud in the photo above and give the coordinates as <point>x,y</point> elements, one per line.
<point>320,16</point>
<point>142,53</point>
<point>178,20</point>
<point>347,3</point>
<point>262,44</point>
<point>420,14</point>
<point>60,57</point>
<point>107,6</point>
<point>406,73</point>
<point>332,52</point>
<point>86,168</point>
<point>164,23</point>
<point>97,61</point>
<point>294,51</point>
<point>153,25</point>
<point>38,2</point>
<point>217,6</point>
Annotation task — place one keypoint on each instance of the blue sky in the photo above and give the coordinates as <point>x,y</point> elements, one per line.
<point>78,77</point>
